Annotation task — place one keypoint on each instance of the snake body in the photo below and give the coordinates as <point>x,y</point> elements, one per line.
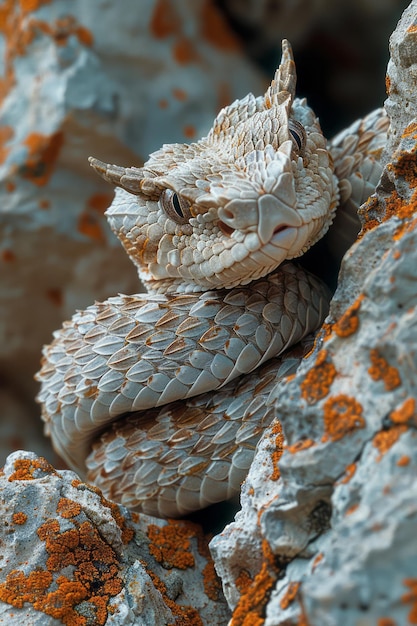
<point>160,398</point>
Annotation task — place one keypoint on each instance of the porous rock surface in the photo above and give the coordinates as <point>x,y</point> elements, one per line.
<point>327,531</point>
<point>81,78</point>
<point>69,556</point>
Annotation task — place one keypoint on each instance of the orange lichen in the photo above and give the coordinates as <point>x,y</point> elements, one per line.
<point>185,615</point>
<point>349,472</point>
<point>352,509</point>
<point>317,560</point>
<point>342,416</point>
<point>404,413</point>
<point>8,255</point>
<point>19,518</point>
<point>179,94</point>
<point>251,605</point>
<point>6,133</point>
<point>381,370</point>
<point>387,85</point>
<point>170,545</point>
<point>385,439</point>
<point>403,461</point>
<point>90,226</point>
<point>43,152</point>
<point>184,51</point>
<point>318,380</point>
<point>91,573</point>
<point>411,597</point>
<point>386,621</point>
<point>30,469</point>
<point>278,448</point>
<point>410,130</point>
<point>54,295</point>
<point>243,581</point>
<point>349,322</point>
<point>189,131</point>
<point>68,508</point>
<point>301,444</point>
<point>290,595</point>
<point>100,202</point>
<point>212,586</point>
<point>164,20</point>
<point>215,30</point>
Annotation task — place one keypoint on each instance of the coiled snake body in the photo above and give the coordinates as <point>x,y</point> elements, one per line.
<point>163,396</point>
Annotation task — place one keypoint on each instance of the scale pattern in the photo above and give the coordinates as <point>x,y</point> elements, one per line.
<point>161,397</point>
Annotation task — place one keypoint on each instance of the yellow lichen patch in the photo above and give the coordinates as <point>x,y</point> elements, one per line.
<point>318,380</point>
<point>93,580</point>
<point>19,518</point>
<point>405,412</point>
<point>386,438</point>
<point>381,370</point>
<point>290,595</point>
<point>251,605</point>
<point>43,152</point>
<point>170,545</point>
<point>411,598</point>
<point>29,469</point>
<point>278,448</point>
<point>349,322</point>
<point>342,416</point>
<point>301,444</point>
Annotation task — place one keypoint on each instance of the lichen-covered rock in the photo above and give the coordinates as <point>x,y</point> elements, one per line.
<point>326,535</point>
<point>83,78</point>
<point>69,556</point>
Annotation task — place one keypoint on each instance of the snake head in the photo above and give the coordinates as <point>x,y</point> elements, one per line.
<point>257,190</point>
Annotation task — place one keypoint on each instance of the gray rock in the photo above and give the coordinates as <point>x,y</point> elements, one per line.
<point>328,534</point>
<point>69,556</point>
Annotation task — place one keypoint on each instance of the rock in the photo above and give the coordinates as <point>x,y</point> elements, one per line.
<point>326,534</point>
<point>69,556</point>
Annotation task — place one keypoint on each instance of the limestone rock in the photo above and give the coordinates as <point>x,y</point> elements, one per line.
<point>326,534</point>
<point>69,556</point>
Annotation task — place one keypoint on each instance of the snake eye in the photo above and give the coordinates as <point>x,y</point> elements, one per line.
<point>298,135</point>
<point>175,206</point>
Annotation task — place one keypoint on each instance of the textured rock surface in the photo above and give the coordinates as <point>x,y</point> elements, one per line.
<point>328,537</point>
<point>69,556</point>
<point>78,79</point>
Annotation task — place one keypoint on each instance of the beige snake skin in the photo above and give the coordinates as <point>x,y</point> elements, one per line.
<point>160,398</point>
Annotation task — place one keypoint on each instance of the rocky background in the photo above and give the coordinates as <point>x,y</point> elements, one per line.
<point>328,539</point>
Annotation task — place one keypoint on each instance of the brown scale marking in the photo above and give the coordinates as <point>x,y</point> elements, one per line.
<point>318,380</point>
<point>348,324</point>
<point>385,439</point>
<point>381,370</point>
<point>342,416</point>
<point>411,598</point>
<point>290,595</point>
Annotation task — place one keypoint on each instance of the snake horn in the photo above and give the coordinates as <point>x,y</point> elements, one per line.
<point>285,79</point>
<point>128,178</point>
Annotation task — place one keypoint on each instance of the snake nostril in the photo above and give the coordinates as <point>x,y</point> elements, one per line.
<point>225,228</point>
